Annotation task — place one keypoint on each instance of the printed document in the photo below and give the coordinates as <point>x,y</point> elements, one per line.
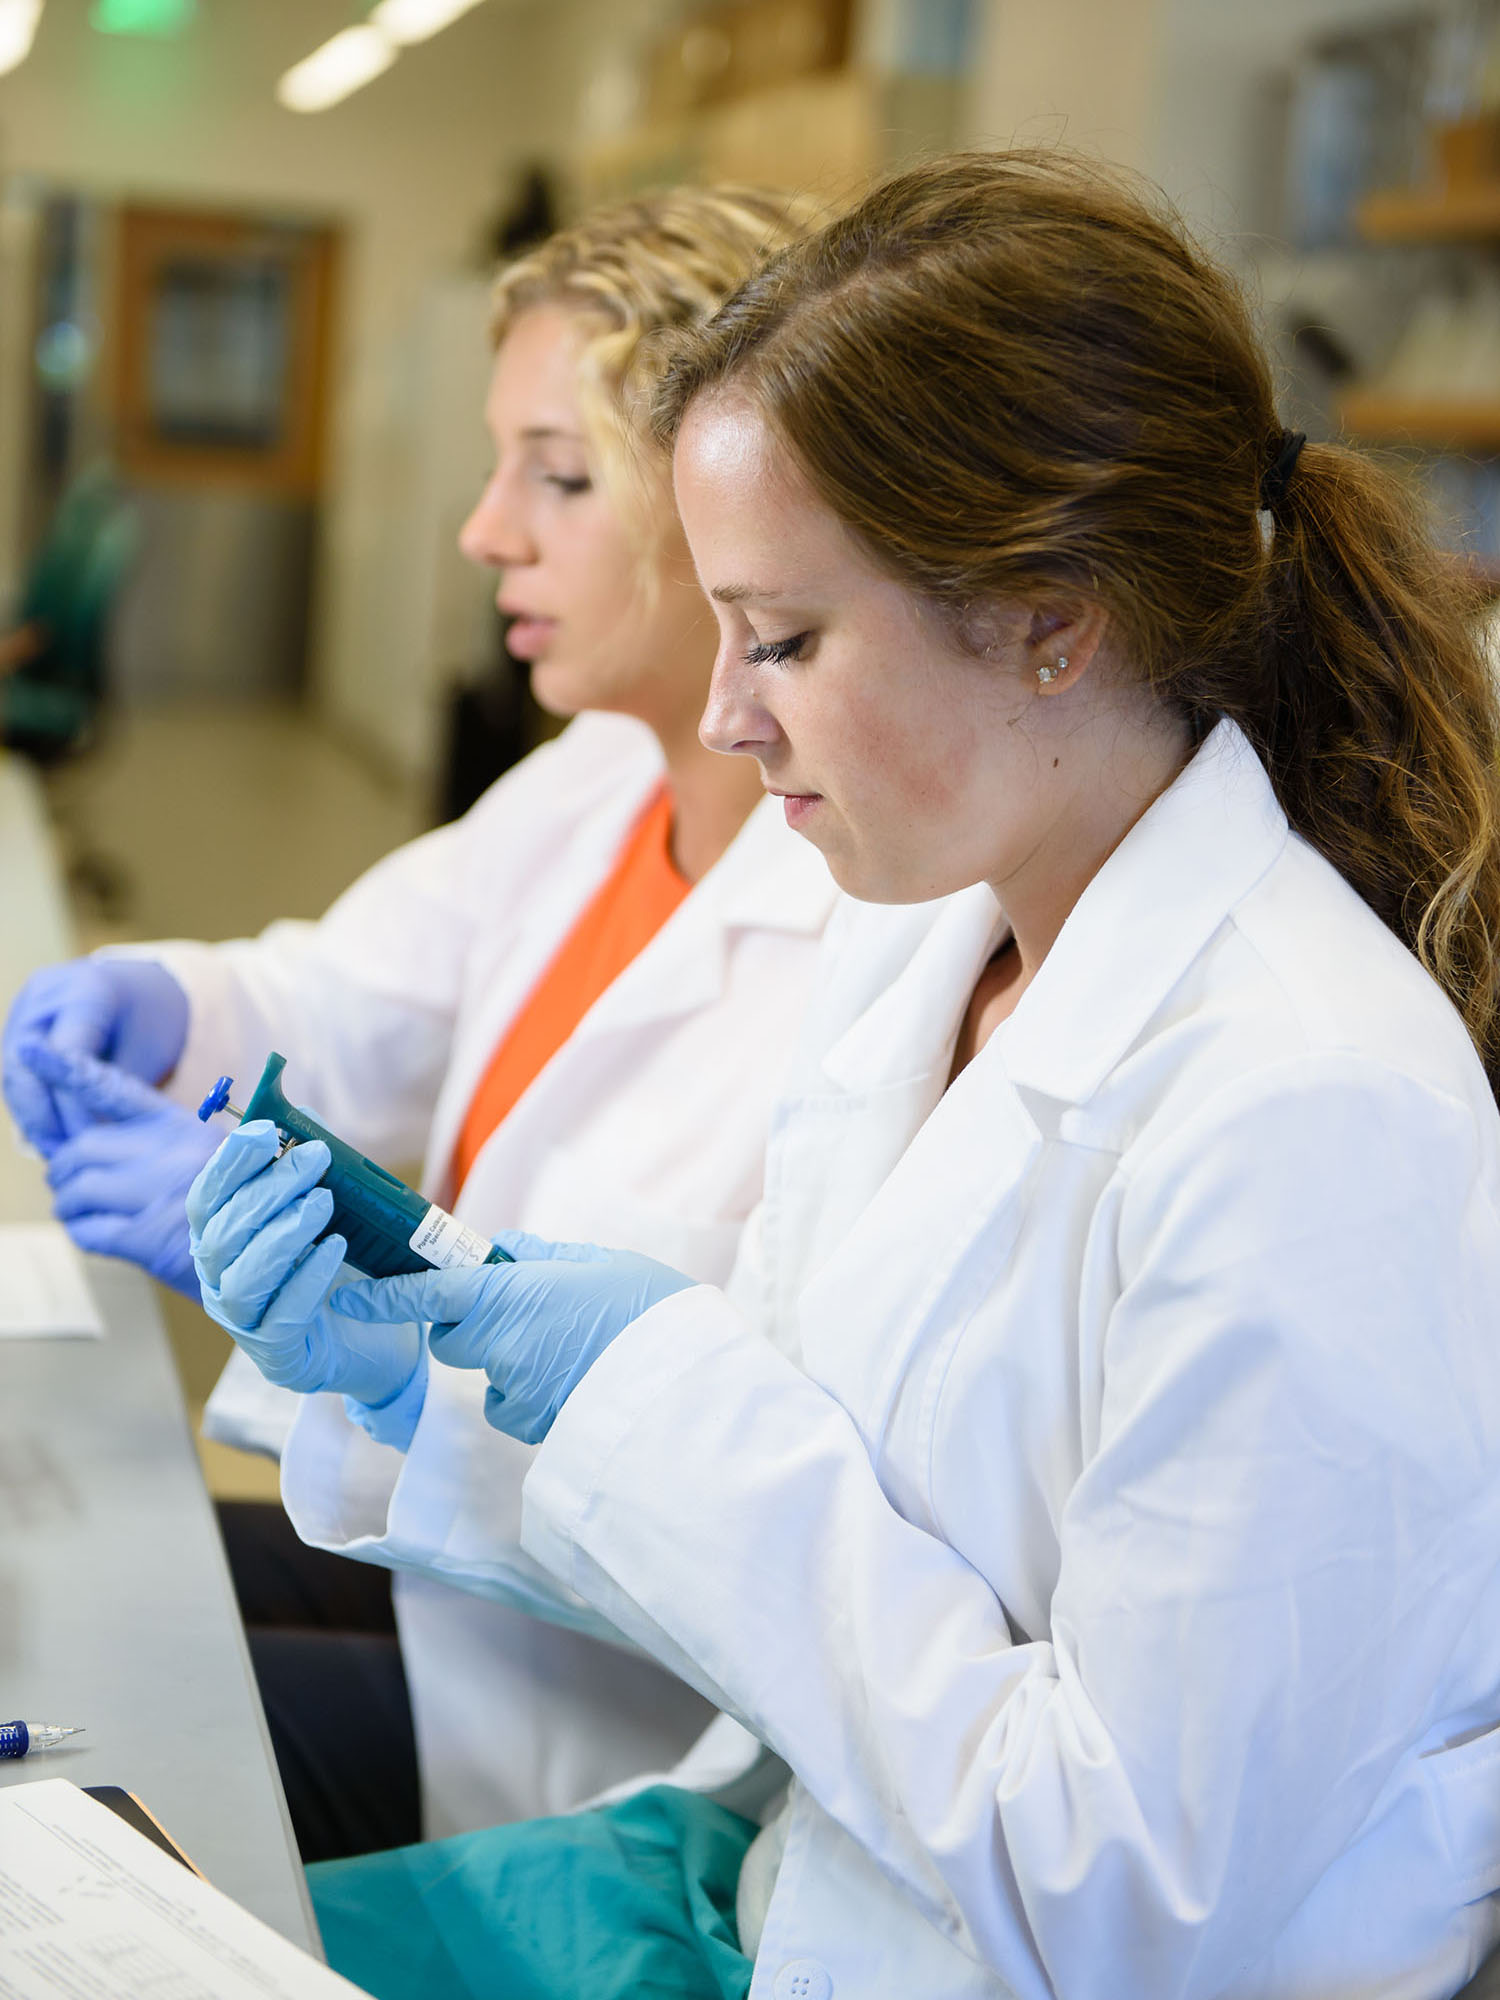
<point>43,1289</point>
<point>91,1910</point>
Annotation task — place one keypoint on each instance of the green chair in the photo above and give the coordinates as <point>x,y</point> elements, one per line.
<point>49,704</point>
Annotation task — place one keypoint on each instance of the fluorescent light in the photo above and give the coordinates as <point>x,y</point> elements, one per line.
<point>415,20</point>
<point>331,72</point>
<point>18,19</point>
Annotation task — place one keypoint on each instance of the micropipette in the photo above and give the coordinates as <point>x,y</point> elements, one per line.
<point>388,1226</point>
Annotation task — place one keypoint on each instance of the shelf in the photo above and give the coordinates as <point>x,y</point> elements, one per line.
<point>1457,426</point>
<point>1432,215</point>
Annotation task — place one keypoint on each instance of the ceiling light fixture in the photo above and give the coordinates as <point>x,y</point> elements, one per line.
<point>414,20</point>
<point>344,64</point>
<point>159,18</point>
<point>18,19</point>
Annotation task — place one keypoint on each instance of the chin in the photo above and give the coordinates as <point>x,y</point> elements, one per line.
<point>559,690</point>
<point>568,688</point>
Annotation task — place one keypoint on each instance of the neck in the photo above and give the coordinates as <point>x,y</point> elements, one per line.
<point>1089,821</point>
<point>712,797</point>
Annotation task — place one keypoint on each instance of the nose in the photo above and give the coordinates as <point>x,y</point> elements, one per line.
<point>735,718</point>
<point>494,535</point>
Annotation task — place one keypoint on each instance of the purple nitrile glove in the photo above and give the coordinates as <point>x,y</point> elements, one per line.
<point>535,1326</point>
<point>126,1011</point>
<point>119,1185</point>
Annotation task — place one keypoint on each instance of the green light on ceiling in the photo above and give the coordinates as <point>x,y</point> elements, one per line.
<point>160,18</point>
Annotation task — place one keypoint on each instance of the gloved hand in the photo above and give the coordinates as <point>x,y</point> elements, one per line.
<point>535,1326</point>
<point>120,1187</point>
<point>128,1011</point>
<point>255,1220</point>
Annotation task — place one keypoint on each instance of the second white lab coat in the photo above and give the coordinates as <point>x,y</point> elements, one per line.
<point>646,1130</point>
<point>1091,1484</point>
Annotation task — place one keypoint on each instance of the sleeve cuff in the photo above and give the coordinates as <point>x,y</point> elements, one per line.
<point>393,1422</point>
<point>635,1371</point>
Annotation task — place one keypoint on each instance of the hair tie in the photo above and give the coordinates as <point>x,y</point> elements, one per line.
<point>1277,476</point>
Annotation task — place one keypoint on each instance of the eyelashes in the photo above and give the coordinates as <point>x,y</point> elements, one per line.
<point>775,651</point>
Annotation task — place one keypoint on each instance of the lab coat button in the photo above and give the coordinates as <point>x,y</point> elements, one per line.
<point>802,1979</point>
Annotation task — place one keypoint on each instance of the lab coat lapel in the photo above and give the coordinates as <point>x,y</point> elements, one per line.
<point>1144,918</point>
<point>766,879</point>
<point>946,1177</point>
<point>927,1247</point>
<point>880,1036</point>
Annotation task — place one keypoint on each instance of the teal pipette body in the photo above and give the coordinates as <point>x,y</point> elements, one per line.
<point>389,1227</point>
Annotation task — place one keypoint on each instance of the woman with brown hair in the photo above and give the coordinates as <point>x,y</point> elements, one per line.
<point>1088,1485</point>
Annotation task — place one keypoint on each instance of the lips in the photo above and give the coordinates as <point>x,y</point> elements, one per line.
<point>528,632</point>
<point>798,807</point>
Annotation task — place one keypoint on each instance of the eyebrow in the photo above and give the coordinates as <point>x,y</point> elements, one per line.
<point>738,593</point>
<point>539,433</point>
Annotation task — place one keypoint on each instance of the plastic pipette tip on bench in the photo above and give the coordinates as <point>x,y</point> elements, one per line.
<point>22,1739</point>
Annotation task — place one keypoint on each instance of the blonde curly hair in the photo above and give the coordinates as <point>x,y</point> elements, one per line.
<point>633,272</point>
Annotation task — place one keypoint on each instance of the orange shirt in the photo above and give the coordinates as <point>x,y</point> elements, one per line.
<point>641,892</point>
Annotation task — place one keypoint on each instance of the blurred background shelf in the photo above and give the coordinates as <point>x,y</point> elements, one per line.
<point>1374,416</point>
<point>1429,215</point>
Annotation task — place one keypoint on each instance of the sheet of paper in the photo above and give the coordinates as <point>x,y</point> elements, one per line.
<point>44,1292</point>
<point>90,1910</point>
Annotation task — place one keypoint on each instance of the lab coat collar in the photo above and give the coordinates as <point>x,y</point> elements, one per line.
<point>767,879</point>
<point>1144,918</point>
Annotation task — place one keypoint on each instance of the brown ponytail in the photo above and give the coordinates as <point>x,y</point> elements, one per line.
<point>1011,374</point>
<point>1382,739</point>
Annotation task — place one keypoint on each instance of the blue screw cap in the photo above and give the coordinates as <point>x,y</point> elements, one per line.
<point>217,1099</point>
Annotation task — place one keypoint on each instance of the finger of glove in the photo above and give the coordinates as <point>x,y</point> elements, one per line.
<point>101,1089</point>
<point>510,1306</point>
<point>101,1191</point>
<point>249,1282</point>
<point>248,1152</point>
<point>234,1229</point>
<point>31,1105</point>
<point>415,1295</point>
<point>101,1146</point>
<point>150,1019</point>
<point>84,1012</point>
<point>525,1248</point>
<point>102,1234</point>
<point>301,1299</point>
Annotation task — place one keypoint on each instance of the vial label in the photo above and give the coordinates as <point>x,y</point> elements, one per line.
<point>446,1242</point>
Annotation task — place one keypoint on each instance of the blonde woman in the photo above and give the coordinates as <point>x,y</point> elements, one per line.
<point>574,1003</point>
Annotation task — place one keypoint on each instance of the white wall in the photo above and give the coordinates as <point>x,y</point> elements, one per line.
<point>410,167</point>
<point>1079,72</point>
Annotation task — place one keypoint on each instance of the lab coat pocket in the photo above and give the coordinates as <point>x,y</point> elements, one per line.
<point>572,1200</point>
<point>1463,1787</point>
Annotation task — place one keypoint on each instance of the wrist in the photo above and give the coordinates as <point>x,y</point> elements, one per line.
<point>394,1422</point>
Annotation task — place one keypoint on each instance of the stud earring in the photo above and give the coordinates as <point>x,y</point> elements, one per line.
<point>1047,675</point>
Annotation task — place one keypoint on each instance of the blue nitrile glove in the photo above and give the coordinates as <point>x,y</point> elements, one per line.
<point>255,1220</point>
<point>535,1327</point>
<point>120,1187</point>
<point>128,1011</point>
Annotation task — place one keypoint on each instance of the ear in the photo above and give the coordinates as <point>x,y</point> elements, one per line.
<point>1063,639</point>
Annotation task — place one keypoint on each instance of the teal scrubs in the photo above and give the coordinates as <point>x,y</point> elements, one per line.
<point>635,1899</point>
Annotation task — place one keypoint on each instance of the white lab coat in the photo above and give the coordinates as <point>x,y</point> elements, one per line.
<point>646,1130</point>
<point>1092,1486</point>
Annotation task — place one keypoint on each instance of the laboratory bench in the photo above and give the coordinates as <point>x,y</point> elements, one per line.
<point>116,1609</point>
